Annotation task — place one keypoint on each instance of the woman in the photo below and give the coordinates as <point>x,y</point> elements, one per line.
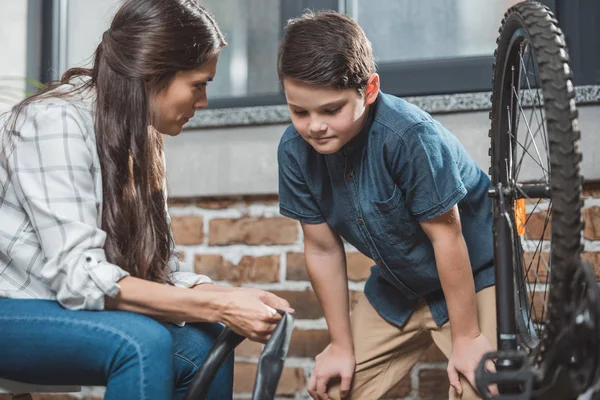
<point>88,266</point>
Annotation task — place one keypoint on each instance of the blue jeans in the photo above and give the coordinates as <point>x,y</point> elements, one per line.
<point>134,356</point>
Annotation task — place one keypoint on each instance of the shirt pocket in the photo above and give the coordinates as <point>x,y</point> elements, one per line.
<point>395,221</point>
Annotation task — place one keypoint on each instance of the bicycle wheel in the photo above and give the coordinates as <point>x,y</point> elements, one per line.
<point>535,158</point>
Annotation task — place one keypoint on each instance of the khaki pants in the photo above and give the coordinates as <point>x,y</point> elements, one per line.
<point>386,353</point>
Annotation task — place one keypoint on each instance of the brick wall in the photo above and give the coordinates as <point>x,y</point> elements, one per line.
<point>244,241</point>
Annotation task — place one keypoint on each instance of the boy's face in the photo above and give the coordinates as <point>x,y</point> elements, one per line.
<point>328,118</point>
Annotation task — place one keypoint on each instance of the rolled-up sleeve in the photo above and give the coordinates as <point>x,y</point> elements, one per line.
<point>181,278</point>
<point>52,171</point>
<point>177,273</point>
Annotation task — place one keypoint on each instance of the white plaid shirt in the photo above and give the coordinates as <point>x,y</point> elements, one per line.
<point>51,243</point>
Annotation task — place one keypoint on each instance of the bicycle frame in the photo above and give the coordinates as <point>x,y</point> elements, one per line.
<point>571,366</point>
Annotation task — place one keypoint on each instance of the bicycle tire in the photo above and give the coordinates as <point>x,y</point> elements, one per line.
<point>532,23</point>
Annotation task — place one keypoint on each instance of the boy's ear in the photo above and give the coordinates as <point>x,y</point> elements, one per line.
<point>372,89</point>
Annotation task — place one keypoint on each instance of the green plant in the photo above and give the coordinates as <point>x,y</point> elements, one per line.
<point>14,89</point>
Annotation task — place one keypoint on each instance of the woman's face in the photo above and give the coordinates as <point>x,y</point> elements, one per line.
<point>176,104</point>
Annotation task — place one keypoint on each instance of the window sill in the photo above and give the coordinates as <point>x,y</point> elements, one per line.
<point>436,104</point>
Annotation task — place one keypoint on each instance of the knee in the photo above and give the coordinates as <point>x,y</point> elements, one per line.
<point>151,335</point>
<point>147,341</point>
<point>190,359</point>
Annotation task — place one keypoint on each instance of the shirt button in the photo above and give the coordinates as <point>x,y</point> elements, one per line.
<point>360,221</point>
<point>350,175</point>
<point>379,262</point>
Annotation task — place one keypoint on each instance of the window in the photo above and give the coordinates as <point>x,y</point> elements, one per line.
<point>416,30</point>
<point>437,47</point>
<point>579,22</point>
<point>247,69</point>
<point>446,46</point>
<point>421,47</point>
<point>86,22</point>
<point>247,65</point>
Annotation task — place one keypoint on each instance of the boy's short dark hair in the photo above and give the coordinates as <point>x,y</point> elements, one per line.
<point>325,48</point>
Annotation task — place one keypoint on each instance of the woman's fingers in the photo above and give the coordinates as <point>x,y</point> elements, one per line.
<point>277,302</point>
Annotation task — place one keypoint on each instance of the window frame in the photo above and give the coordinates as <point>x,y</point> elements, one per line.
<point>473,74</point>
<point>578,21</point>
<point>430,77</point>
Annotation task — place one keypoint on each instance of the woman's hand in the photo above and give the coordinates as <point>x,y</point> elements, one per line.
<point>251,312</point>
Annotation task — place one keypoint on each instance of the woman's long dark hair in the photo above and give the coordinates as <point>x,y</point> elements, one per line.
<point>148,42</point>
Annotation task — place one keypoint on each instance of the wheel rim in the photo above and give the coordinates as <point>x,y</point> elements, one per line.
<point>525,171</point>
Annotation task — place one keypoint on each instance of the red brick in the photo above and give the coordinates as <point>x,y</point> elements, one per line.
<point>591,216</point>
<point>358,266</point>
<point>296,267</point>
<point>535,226</point>
<point>433,384</point>
<point>307,305</point>
<point>291,382</point>
<point>253,231</point>
<point>216,203</point>
<point>308,343</point>
<point>538,265</point>
<point>180,202</point>
<point>260,200</point>
<point>591,190</point>
<point>304,302</point>
<point>593,257</point>
<point>539,312</point>
<point>188,230</point>
<point>264,269</point>
<point>248,348</point>
<point>209,264</point>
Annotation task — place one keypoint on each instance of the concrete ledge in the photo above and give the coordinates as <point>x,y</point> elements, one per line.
<point>243,160</point>
<point>279,114</point>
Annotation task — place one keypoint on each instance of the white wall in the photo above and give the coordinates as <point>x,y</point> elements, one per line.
<point>13,51</point>
<point>243,160</point>
<point>86,23</point>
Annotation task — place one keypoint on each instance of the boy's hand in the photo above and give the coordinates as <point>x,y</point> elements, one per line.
<point>334,361</point>
<point>466,354</point>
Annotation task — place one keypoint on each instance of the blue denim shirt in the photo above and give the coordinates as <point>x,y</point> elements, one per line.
<point>403,168</point>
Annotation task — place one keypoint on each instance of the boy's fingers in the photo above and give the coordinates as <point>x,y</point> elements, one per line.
<point>471,380</point>
<point>493,389</point>
<point>322,388</point>
<point>345,386</point>
<point>311,387</point>
<point>490,366</point>
<point>454,380</point>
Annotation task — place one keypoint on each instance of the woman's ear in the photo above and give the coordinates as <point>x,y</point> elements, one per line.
<point>372,89</point>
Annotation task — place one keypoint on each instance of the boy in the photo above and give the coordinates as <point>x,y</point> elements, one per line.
<point>382,174</point>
